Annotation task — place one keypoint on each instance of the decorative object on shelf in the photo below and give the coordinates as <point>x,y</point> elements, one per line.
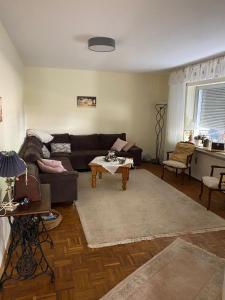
<point>1,119</point>
<point>198,140</point>
<point>206,143</point>
<point>86,101</point>
<point>160,119</point>
<point>121,160</point>
<point>111,156</point>
<point>101,44</point>
<point>191,136</point>
<point>217,147</point>
<point>11,166</point>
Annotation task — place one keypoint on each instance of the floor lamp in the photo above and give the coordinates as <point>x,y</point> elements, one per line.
<point>11,166</point>
<point>160,110</point>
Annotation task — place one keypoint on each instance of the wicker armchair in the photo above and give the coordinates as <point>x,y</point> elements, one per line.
<point>213,183</point>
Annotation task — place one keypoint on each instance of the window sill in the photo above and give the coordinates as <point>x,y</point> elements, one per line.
<point>219,154</point>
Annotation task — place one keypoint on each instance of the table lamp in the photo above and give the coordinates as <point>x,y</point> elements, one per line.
<point>11,166</point>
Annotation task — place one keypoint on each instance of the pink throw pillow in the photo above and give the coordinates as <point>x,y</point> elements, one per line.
<point>47,169</point>
<point>51,162</point>
<point>118,145</point>
<point>128,146</point>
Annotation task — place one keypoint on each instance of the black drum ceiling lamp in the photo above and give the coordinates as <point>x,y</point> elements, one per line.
<point>101,44</point>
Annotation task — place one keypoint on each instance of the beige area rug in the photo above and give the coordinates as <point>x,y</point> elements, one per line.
<point>182,271</point>
<point>148,209</point>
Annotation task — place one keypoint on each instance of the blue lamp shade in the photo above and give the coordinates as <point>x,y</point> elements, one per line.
<point>11,165</point>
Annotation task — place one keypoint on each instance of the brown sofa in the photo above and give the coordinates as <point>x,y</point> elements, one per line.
<point>83,149</point>
<point>86,147</point>
<point>63,185</point>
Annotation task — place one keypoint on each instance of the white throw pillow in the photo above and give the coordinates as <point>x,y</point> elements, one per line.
<point>128,146</point>
<point>61,147</point>
<point>43,136</point>
<point>46,152</point>
<point>118,145</point>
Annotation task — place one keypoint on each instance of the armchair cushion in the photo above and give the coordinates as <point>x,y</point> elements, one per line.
<point>174,164</point>
<point>210,182</point>
<point>182,151</point>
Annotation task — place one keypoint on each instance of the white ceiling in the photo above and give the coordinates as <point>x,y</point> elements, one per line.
<point>150,34</point>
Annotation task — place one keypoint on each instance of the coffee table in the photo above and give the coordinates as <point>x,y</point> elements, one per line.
<point>97,169</point>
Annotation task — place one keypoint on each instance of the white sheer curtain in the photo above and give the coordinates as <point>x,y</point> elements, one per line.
<point>212,69</point>
<point>175,115</point>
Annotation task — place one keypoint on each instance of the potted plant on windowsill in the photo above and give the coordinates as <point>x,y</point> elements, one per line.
<point>198,140</point>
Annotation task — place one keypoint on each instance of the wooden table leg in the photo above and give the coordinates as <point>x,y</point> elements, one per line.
<point>93,177</point>
<point>125,177</point>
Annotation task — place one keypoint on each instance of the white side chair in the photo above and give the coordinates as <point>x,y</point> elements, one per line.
<point>178,166</point>
<point>213,183</point>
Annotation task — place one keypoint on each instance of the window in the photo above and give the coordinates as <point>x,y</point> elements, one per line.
<point>210,111</point>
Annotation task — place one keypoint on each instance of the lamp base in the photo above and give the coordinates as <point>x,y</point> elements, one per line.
<point>8,206</point>
<point>11,206</point>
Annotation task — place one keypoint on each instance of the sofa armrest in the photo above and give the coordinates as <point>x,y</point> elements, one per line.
<point>49,177</point>
<point>135,152</point>
<point>63,185</point>
<point>135,149</point>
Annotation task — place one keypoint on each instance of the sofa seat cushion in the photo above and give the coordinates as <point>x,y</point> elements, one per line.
<point>107,140</point>
<point>81,159</point>
<point>84,142</point>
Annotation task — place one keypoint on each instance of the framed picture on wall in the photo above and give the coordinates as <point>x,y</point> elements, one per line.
<point>86,101</point>
<point>1,119</point>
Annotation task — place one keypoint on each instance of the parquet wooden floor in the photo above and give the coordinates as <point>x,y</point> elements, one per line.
<point>87,274</point>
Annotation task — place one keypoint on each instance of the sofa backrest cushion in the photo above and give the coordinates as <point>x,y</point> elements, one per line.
<point>107,140</point>
<point>84,142</point>
<point>59,138</point>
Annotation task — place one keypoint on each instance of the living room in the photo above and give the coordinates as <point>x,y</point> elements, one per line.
<point>115,229</point>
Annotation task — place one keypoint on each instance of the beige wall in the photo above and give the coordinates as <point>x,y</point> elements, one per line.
<point>125,102</point>
<point>12,129</point>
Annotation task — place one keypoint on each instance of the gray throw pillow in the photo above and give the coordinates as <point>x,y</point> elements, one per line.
<point>61,147</point>
<point>45,152</point>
